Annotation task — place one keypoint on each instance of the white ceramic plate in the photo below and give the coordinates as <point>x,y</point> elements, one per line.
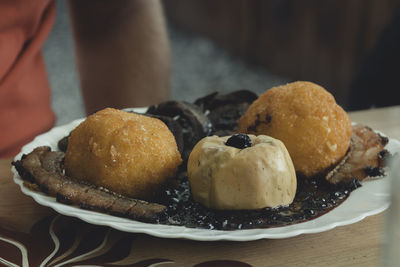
<point>370,199</point>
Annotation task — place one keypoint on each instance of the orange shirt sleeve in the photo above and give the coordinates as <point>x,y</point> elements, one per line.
<point>25,100</point>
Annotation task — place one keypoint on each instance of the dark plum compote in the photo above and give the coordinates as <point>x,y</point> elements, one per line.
<point>314,198</point>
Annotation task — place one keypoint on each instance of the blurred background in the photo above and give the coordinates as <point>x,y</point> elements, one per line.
<point>349,47</point>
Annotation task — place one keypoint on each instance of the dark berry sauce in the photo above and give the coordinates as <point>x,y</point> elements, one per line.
<point>239,141</point>
<point>314,198</point>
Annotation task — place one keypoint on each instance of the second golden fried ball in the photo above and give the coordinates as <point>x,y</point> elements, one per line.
<point>305,117</point>
<point>128,153</point>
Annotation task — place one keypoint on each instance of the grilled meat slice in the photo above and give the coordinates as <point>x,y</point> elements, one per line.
<point>224,110</point>
<point>216,100</point>
<point>365,157</point>
<point>194,124</point>
<point>63,143</point>
<point>44,168</point>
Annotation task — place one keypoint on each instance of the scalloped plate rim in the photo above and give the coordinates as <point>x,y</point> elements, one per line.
<point>326,222</point>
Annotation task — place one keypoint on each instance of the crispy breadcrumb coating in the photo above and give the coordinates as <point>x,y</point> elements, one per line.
<point>305,117</point>
<point>128,153</point>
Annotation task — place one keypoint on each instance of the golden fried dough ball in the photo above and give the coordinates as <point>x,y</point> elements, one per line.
<point>305,117</point>
<point>130,154</point>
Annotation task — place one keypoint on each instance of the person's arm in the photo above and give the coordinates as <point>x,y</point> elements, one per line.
<point>122,51</point>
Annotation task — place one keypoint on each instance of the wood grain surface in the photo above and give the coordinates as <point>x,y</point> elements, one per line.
<point>23,220</point>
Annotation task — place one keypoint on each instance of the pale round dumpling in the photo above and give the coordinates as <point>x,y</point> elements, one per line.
<point>224,174</point>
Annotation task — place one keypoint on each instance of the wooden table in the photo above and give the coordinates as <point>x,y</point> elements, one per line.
<point>29,231</point>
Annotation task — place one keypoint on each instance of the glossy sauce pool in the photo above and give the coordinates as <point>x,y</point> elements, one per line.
<point>314,197</point>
